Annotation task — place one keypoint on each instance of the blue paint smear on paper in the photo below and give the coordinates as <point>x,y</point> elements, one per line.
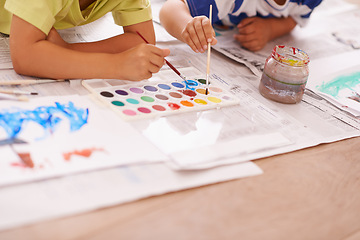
<point>339,83</point>
<point>13,120</point>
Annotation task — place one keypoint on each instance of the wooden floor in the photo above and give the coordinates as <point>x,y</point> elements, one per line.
<point>308,194</point>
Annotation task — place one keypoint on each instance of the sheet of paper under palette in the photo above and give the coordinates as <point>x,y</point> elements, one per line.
<point>149,99</point>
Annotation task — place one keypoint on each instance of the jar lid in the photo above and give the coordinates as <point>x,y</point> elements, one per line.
<point>290,56</point>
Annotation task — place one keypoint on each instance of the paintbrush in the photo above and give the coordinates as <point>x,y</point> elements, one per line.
<point>17,92</point>
<point>166,61</point>
<point>29,81</point>
<point>208,58</point>
<point>5,96</point>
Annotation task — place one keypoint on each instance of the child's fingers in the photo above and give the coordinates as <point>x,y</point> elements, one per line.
<point>195,40</point>
<point>214,41</point>
<point>201,34</point>
<point>208,30</point>
<point>247,29</point>
<point>157,56</point>
<point>153,68</point>
<point>189,41</point>
<point>198,36</point>
<point>165,52</point>
<point>245,21</point>
<point>157,60</point>
<point>250,43</point>
<point>243,38</point>
<point>198,33</point>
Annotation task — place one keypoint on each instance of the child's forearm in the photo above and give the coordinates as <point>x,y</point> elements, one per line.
<point>280,26</point>
<point>174,15</point>
<point>35,54</point>
<point>45,59</point>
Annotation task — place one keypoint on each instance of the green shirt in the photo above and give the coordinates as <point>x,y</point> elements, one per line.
<point>61,14</point>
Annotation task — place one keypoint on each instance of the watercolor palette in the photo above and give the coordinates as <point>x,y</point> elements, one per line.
<point>158,98</point>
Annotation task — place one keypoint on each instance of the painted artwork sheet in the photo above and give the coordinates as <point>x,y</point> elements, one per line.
<point>341,88</point>
<point>55,136</point>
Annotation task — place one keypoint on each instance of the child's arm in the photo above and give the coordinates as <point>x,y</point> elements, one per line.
<point>255,32</point>
<point>35,55</point>
<point>196,32</point>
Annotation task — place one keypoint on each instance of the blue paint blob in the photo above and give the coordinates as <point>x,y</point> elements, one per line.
<point>164,86</point>
<point>178,85</point>
<point>13,120</point>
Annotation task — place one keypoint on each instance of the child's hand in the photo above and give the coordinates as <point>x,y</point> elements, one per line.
<point>198,33</point>
<point>254,33</point>
<point>140,62</point>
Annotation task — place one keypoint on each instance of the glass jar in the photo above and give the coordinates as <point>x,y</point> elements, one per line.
<point>285,75</point>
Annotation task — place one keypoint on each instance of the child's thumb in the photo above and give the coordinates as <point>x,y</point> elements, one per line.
<point>166,52</point>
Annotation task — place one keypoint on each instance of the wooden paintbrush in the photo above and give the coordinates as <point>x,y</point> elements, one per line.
<point>208,58</point>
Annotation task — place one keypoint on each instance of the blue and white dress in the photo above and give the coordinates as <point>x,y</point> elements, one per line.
<point>231,12</point>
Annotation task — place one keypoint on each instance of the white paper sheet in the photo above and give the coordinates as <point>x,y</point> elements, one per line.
<point>340,85</point>
<point>62,138</point>
<point>9,77</point>
<point>89,191</point>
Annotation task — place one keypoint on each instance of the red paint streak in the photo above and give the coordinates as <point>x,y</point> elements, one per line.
<point>173,106</point>
<point>26,158</point>
<point>84,152</point>
<point>15,164</point>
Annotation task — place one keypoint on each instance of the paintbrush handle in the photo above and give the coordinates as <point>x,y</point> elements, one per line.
<point>209,45</point>
<point>172,67</point>
<point>209,51</point>
<point>208,59</point>
<point>17,92</point>
<point>28,82</point>
<point>5,96</point>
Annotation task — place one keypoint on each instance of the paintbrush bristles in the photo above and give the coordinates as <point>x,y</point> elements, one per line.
<point>208,57</point>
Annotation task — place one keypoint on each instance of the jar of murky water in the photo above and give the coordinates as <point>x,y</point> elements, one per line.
<point>285,75</point>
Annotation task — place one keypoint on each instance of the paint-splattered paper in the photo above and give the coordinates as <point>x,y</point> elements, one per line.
<point>48,137</point>
<point>341,88</point>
